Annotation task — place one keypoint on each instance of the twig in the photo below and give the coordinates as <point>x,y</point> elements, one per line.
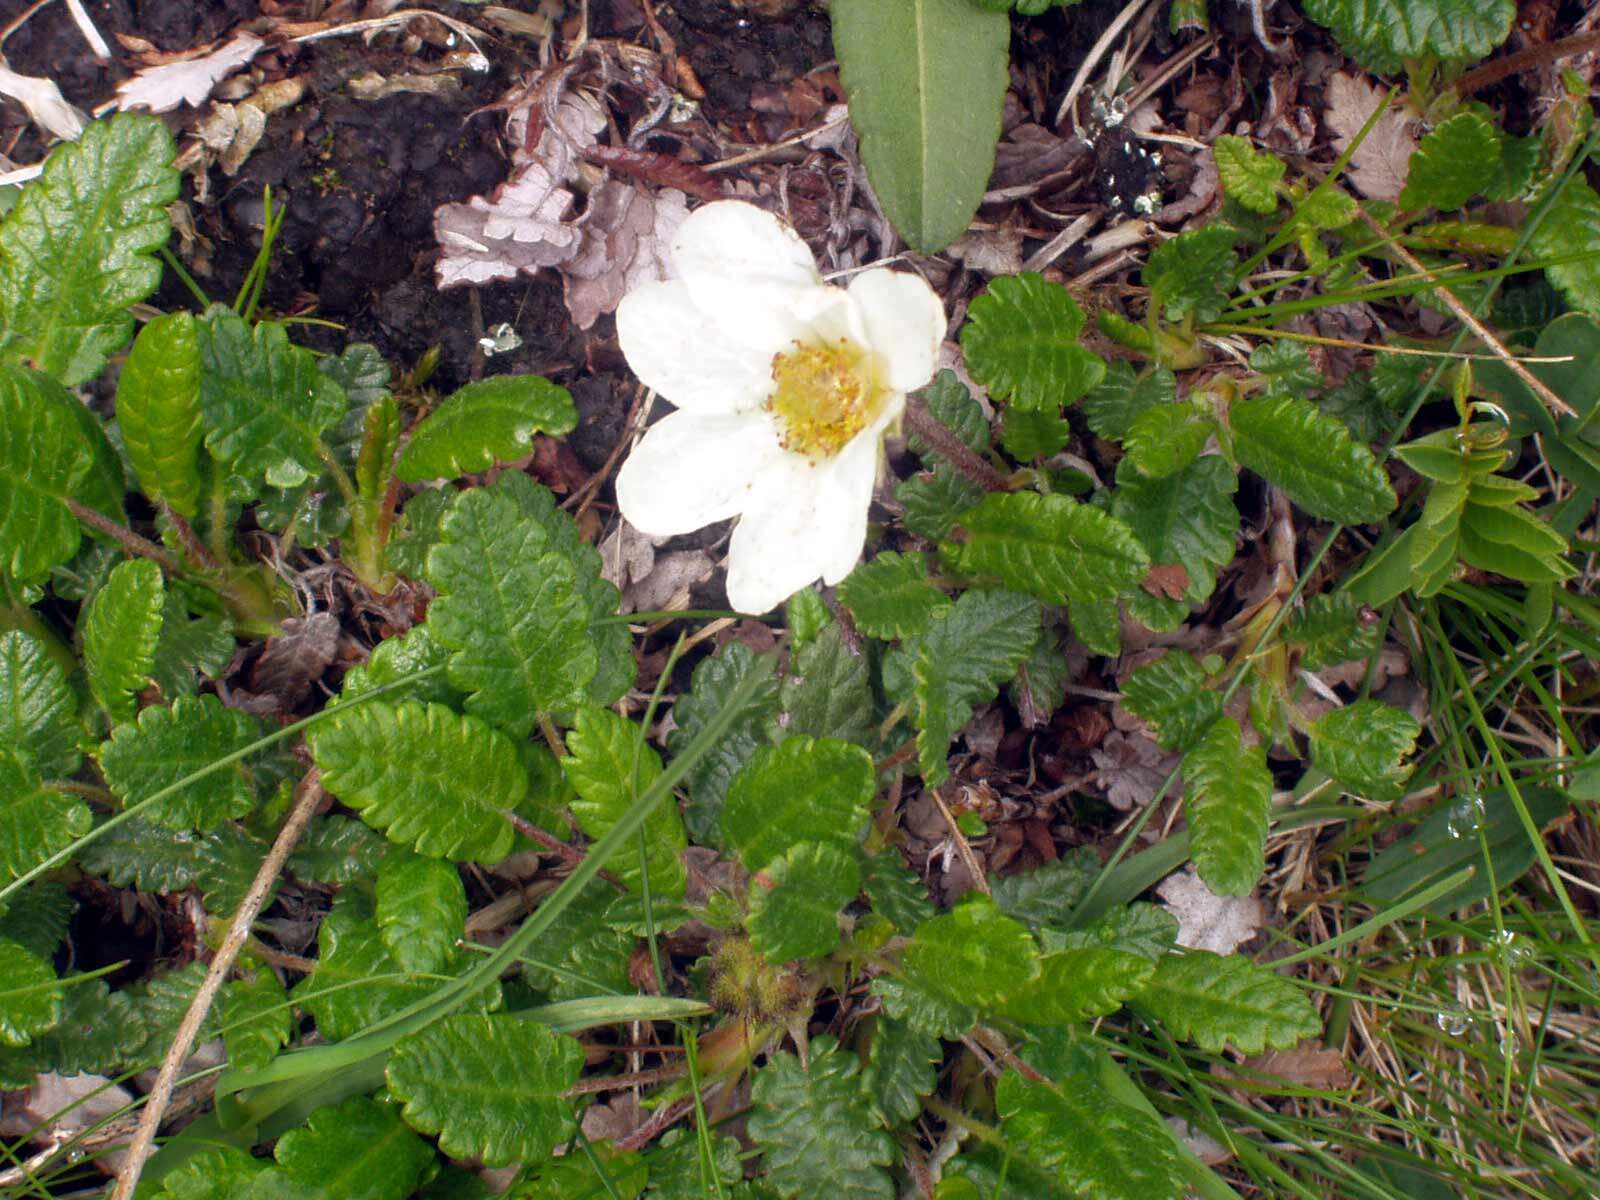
<point>310,794</point>
<point>124,537</point>
<point>1479,329</point>
<point>1492,73</point>
<point>1096,52</point>
<point>947,445</point>
<point>963,847</point>
<point>80,18</point>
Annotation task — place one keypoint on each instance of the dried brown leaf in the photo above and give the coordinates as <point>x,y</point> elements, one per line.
<point>1207,921</point>
<point>1379,166</point>
<point>188,81</point>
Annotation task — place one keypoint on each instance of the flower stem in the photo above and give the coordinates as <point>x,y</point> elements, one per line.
<point>966,461</point>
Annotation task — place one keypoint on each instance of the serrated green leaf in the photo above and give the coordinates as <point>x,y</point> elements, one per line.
<point>676,1165</point>
<point>357,1150</point>
<point>970,649</point>
<point>1332,629</point>
<point>828,690</point>
<point>926,81</point>
<point>142,854</point>
<point>1098,625</point>
<point>1287,368</point>
<point>30,994</point>
<point>1171,694</point>
<point>487,421</point>
<point>189,647</point>
<point>581,954</point>
<point>98,1034</point>
<point>37,916</point>
<point>509,611</point>
<point>796,898</point>
<point>1041,683</point>
<point>609,765</point>
<point>52,452</point>
<point>1227,795</point>
<point>708,781</point>
<point>227,859</point>
<point>38,711</point>
<point>168,744</point>
<point>1166,438</point>
<point>1192,274</point>
<point>576,1176</point>
<point>973,954</point>
<point>120,630</point>
<point>1215,1001</point>
<point>1113,406</point>
<point>158,411</point>
<point>903,1068</point>
<point>159,1006</point>
<point>890,597</point>
<point>36,820</point>
<point>922,1010</point>
<point>1049,547</point>
<point>951,404</point>
<point>1077,985</point>
<point>1311,457</point>
<point>935,500</point>
<point>1381,33</point>
<point>804,790</point>
<point>1090,1144</point>
<point>337,849</point>
<point>1032,434</point>
<point>422,910</point>
<point>256,1018</point>
<point>266,404</point>
<point>895,894</point>
<point>1021,342</point>
<point>1048,894</point>
<point>78,248</point>
<point>489,1086</point>
<point>1572,225</point>
<point>1143,929</point>
<point>1187,519</point>
<point>428,777</point>
<point>1365,745</point>
<point>222,1173</point>
<point>394,658</point>
<point>1249,176</point>
<point>1453,163</point>
<point>815,1128</point>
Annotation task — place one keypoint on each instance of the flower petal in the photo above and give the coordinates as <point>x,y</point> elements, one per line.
<point>691,470</point>
<point>672,347</point>
<point>905,324</point>
<point>748,272</point>
<point>801,522</point>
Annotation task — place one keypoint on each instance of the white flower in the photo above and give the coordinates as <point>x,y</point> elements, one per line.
<point>784,387</point>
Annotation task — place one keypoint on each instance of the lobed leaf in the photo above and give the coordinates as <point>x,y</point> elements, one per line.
<point>79,247</point>
<point>972,954</point>
<point>713,680</point>
<point>1228,793</point>
<point>804,790</point>
<point>1077,984</point>
<point>1364,745</point>
<point>1250,177</point>
<point>1572,226</point>
<point>38,916</point>
<point>1381,33</point>
<point>1021,342</point>
<point>1048,894</point>
<point>795,901</point>
<point>1143,929</point>
<point>1455,162</point>
<point>169,744</point>
<point>1111,408</point>
<point>37,820</point>
<point>1192,275</point>
<point>1171,694</point>
<point>1166,438</point>
<point>30,994</point>
<point>921,1009</point>
<point>903,1068</point>
<point>890,597</point>
<point>490,1086</point>
<point>257,1018</point>
<point>934,501</point>
<point>1187,519</point>
<point>828,690</point>
<point>337,849</point>
<point>422,910</point>
<point>1216,1001</point>
<point>895,893</point>
<point>427,776</point>
<point>38,711</point>
<point>1311,457</point>
<point>1331,629</point>
<point>357,1150</point>
<point>158,411</point>
<point>487,421</point>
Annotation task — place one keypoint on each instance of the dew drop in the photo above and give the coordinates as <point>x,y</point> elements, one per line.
<point>1453,1023</point>
<point>1465,817</point>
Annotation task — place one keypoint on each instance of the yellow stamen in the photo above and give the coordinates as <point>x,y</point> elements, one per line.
<point>826,394</point>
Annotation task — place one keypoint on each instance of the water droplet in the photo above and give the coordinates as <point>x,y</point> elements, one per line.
<point>1465,817</point>
<point>1513,949</point>
<point>502,339</point>
<point>1453,1023</point>
<point>1510,1047</point>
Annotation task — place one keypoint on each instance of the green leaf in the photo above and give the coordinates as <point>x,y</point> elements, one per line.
<point>1032,434</point>
<point>828,689</point>
<point>1572,225</point>
<point>489,1086</point>
<point>1453,163</point>
<point>1187,519</point>
<point>1512,542</point>
<point>896,895</point>
<point>1215,1001</point>
<point>266,404</point>
<point>713,680</point>
<point>1049,547</point>
<point>358,1150</point>
<point>581,955</point>
<point>428,777</point>
<point>1364,745</point>
<point>609,765</point>
<point>121,629</point>
<point>951,404</point>
<point>1331,629</point>
<point>78,249</point>
<point>487,421</point>
<point>422,910</point>
<point>1311,457</point>
<point>1112,407</point>
<point>30,994</point>
<point>189,647</point>
<point>1171,694</point>
<point>226,861</point>
<point>676,1162</point>
<point>158,410</point>
<point>927,82</point>
<point>53,452</point>
<point>1143,929</point>
<point>1047,895</point>
<point>1077,985</point>
<point>167,744</point>
<point>145,855</point>
<point>973,954</point>
<point>935,501</point>
<point>903,1068</point>
<point>815,1127</point>
<point>98,1034</point>
<point>38,711</point>
<point>804,790</point>
<point>337,849</point>
<point>1287,369</point>
<point>1041,683</point>
<point>1021,342</point>
<point>1227,795</point>
<point>223,1173</point>
<point>509,611</point>
<point>922,1010</point>
<point>1166,438</point>
<point>36,820</point>
<point>394,658</point>
<point>795,901</point>
<point>969,650</point>
<point>1383,32</point>
<point>1250,177</point>
<point>257,1018</point>
<point>1090,1144</point>
<point>1192,275</point>
<point>38,917</point>
<point>890,597</point>
<point>576,1176</point>
<point>1098,625</point>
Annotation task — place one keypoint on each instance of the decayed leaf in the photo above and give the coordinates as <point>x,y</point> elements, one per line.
<point>522,227</point>
<point>626,235</point>
<point>1207,921</point>
<point>1310,1064</point>
<point>1378,168</point>
<point>47,107</point>
<point>1131,767</point>
<point>162,89</point>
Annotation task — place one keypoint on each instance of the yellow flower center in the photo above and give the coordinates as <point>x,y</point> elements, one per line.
<point>826,394</point>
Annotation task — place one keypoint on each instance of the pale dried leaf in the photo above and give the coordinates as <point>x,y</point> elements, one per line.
<point>1204,1147</point>
<point>1378,168</point>
<point>1207,921</point>
<point>991,251</point>
<point>1130,768</point>
<point>162,89</point>
<point>47,107</point>
<point>627,237</point>
<point>521,228</point>
<point>1310,1064</point>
